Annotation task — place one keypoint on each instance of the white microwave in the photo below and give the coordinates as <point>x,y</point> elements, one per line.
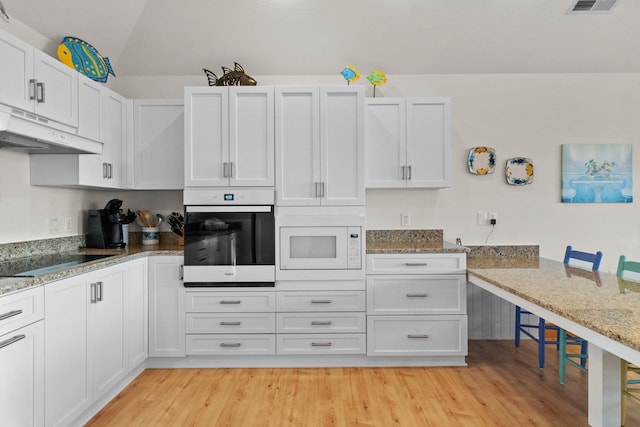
<point>320,248</point>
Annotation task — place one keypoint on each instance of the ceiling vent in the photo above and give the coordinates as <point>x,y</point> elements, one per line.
<point>593,6</point>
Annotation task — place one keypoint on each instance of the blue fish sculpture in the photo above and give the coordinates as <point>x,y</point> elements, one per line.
<point>85,59</point>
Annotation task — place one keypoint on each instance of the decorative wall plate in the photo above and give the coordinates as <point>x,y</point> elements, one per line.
<point>519,171</point>
<point>482,160</point>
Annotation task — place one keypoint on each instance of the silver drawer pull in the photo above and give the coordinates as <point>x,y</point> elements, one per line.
<point>12,340</point>
<point>417,336</point>
<point>415,264</point>
<point>321,344</point>
<point>10,314</point>
<point>416,295</point>
<point>320,323</point>
<point>230,323</point>
<point>320,301</point>
<point>230,344</point>
<point>230,302</point>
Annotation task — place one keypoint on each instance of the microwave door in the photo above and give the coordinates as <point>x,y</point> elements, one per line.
<point>313,248</point>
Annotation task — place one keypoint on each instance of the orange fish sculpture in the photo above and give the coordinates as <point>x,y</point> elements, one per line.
<point>235,77</point>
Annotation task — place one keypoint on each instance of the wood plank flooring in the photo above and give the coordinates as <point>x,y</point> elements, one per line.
<point>502,386</point>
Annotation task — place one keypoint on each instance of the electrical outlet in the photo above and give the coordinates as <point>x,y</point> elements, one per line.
<point>68,224</point>
<point>405,219</point>
<point>53,224</point>
<point>493,218</point>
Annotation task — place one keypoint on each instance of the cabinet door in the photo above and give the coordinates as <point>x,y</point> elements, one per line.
<point>251,139</point>
<point>158,144</point>
<point>206,136</point>
<point>114,137</point>
<point>59,87</point>
<point>429,142</point>
<point>166,307</point>
<point>106,331</point>
<point>385,141</point>
<point>67,388</point>
<point>16,71</point>
<point>342,145</point>
<point>136,312</point>
<point>89,108</point>
<point>297,132</point>
<point>22,373</point>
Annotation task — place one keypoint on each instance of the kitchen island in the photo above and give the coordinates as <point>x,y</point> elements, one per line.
<point>599,307</point>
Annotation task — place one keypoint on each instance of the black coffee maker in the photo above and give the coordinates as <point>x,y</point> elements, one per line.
<point>105,226</point>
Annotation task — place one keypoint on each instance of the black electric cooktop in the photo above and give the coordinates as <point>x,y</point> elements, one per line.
<point>43,264</point>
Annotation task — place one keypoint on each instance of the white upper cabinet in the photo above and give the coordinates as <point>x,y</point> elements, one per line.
<point>89,108</point>
<point>320,145</point>
<point>408,142</point>
<point>35,82</point>
<point>229,139</point>
<point>156,151</point>
<point>106,170</point>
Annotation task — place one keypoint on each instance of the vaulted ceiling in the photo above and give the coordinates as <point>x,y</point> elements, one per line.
<point>320,37</point>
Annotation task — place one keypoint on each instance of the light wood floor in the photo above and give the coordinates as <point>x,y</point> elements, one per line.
<point>502,386</point>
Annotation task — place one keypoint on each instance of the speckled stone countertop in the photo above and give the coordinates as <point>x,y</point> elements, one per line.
<point>408,241</point>
<point>599,301</point>
<point>167,246</point>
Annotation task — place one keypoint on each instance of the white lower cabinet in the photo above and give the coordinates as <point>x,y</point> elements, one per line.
<point>416,305</point>
<point>87,338</point>
<point>166,307</point>
<point>220,321</point>
<point>321,322</point>
<point>22,359</point>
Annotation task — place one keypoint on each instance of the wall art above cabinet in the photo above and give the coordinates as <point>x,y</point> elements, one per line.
<point>229,138</point>
<point>408,142</point>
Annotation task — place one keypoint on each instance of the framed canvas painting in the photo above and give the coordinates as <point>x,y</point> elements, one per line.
<point>596,173</point>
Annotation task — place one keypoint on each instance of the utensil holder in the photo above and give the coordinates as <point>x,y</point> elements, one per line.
<point>150,236</point>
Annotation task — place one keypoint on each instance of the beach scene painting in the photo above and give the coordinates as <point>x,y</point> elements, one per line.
<point>596,173</point>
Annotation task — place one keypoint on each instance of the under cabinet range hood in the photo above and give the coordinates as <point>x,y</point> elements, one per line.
<point>27,133</point>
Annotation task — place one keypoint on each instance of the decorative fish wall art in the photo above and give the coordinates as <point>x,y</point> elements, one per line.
<point>85,59</point>
<point>235,77</point>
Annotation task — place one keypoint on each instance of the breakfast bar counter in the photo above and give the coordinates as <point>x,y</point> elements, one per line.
<point>599,307</point>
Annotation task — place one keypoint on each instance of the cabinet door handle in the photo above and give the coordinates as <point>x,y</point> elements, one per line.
<point>415,264</point>
<point>321,344</point>
<point>99,293</point>
<point>110,170</point>
<point>230,344</point>
<point>231,170</point>
<point>93,294</point>
<point>413,336</point>
<point>320,323</point>
<point>40,92</point>
<point>417,295</point>
<point>225,167</point>
<point>317,184</point>
<point>32,88</point>
<point>322,189</point>
<point>230,302</point>
<point>409,173</point>
<point>403,173</point>
<point>12,340</point>
<point>230,323</point>
<point>320,301</point>
<point>10,314</point>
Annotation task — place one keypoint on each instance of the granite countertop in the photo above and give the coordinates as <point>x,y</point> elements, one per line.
<point>135,250</point>
<point>599,301</point>
<point>409,242</point>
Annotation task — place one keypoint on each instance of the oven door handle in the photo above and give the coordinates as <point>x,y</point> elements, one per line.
<point>214,209</point>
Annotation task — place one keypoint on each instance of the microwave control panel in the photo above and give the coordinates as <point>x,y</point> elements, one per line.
<point>355,245</point>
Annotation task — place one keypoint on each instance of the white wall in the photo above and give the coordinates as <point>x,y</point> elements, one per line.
<point>518,114</point>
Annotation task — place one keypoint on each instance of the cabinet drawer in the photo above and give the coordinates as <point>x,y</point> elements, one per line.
<point>288,323</point>
<point>416,263</point>
<point>426,294</point>
<point>21,309</point>
<point>417,335</point>
<point>231,344</point>
<point>231,323</point>
<point>321,301</point>
<point>322,343</point>
<point>226,302</point>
